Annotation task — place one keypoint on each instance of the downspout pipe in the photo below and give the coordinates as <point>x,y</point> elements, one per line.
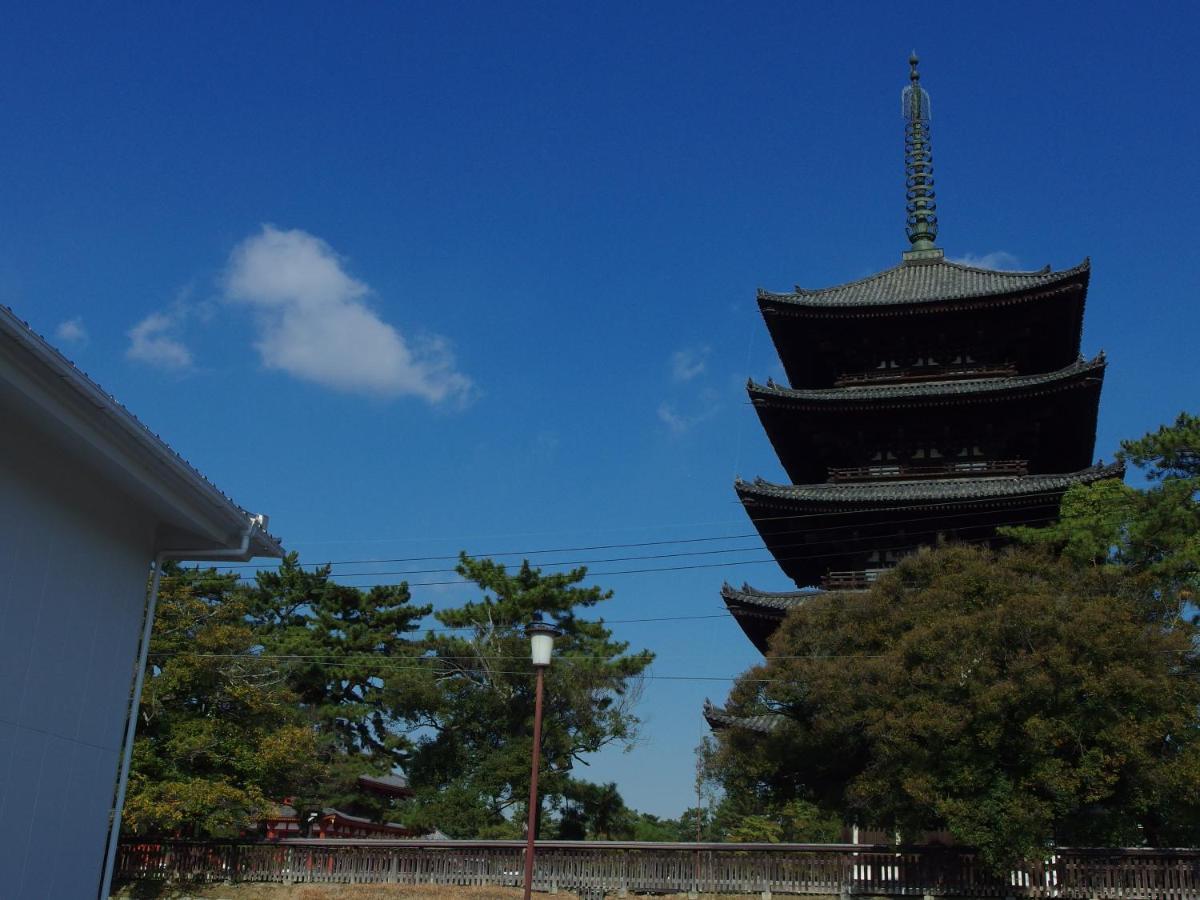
<point>114,831</point>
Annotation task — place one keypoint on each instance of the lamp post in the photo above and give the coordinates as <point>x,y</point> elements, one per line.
<point>541,641</point>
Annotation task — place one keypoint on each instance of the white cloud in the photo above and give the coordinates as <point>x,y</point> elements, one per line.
<point>154,341</point>
<point>688,363</point>
<point>997,259</point>
<point>72,331</point>
<point>314,323</point>
<point>673,420</point>
<point>680,422</point>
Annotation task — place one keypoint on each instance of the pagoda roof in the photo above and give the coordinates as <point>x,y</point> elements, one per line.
<point>925,281</point>
<point>929,389</point>
<point>931,490</point>
<point>773,604</point>
<point>718,718</point>
<point>759,613</point>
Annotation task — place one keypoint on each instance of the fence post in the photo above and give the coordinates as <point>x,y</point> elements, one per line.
<point>288,867</point>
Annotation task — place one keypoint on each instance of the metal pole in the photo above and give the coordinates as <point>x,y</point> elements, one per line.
<point>135,701</point>
<point>114,828</point>
<point>531,829</point>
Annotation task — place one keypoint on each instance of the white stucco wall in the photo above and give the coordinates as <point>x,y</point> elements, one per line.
<point>74,561</point>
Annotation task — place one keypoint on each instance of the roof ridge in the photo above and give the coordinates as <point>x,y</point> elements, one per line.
<point>877,391</point>
<point>718,717</point>
<point>857,281</point>
<point>746,590</point>
<point>910,282</point>
<point>1044,270</point>
<point>1095,472</point>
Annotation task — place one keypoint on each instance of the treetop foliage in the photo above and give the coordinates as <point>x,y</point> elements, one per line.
<point>292,686</point>
<point>1046,694</point>
<point>1173,451</point>
<point>219,734</point>
<point>471,709</point>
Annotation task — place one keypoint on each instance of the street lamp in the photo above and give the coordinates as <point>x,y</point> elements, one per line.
<point>541,644</point>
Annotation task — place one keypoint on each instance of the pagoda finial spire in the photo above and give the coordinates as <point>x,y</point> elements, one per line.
<point>918,168</point>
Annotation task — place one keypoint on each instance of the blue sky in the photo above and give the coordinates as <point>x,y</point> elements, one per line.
<point>419,277</point>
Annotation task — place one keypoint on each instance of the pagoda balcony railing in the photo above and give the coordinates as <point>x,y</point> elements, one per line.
<point>924,373</point>
<point>859,580</point>
<point>903,471</point>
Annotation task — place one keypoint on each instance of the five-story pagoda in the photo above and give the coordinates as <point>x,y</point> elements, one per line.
<point>933,401</point>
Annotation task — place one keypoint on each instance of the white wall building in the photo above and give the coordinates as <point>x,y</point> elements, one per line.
<point>89,500</point>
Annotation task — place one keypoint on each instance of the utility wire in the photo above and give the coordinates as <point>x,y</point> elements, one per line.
<point>929,507</point>
<point>604,574</point>
<point>863,538</point>
<point>390,666</point>
<point>720,550</point>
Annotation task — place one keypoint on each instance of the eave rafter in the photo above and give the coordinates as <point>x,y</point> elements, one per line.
<point>911,288</point>
<point>748,601</point>
<point>763,724</point>
<point>929,494</point>
<point>931,393</point>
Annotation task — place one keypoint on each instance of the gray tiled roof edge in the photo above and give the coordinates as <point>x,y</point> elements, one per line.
<point>717,718</point>
<point>930,389</point>
<point>981,488</point>
<point>781,601</point>
<point>919,282</point>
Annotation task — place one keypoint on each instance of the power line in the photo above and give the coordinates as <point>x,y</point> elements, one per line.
<point>580,562</point>
<point>931,507</point>
<point>445,629</point>
<point>388,665</point>
<point>605,574</point>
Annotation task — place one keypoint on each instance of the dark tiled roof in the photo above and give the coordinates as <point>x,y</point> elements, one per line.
<point>718,718</point>
<point>777,601</point>
<point>931,490</point>
<point>360,820</point>
<point>924,282</point>
<point>930,389</point>
<point>391,782</point>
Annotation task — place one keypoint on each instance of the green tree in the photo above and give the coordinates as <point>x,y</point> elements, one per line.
<point>219,736</point>
<point>685,825</point>
<point>341,645</point>
<point>1154,533</point>
<point>597,811</point>
<point>470,709</point>
<point>648,827</point>
<point>1015,699</point>
<point>1173,451</point>
<point>755,829</point>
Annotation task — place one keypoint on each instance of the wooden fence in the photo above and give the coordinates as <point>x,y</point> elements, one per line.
<point>616,869</point>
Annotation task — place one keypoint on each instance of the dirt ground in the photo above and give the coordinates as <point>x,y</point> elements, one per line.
<point>361,892</point>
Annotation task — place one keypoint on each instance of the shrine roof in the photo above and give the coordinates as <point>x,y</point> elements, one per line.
<point>389,784</point>
<point>948,387</point>
<point>927,281</point>
<point>981,488</point>
<point>718,718</point>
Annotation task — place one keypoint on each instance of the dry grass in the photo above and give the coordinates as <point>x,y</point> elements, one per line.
<point>335,892</point>
<point>372,892</point>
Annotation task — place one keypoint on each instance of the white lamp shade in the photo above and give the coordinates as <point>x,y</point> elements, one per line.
<point>542,645</point>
